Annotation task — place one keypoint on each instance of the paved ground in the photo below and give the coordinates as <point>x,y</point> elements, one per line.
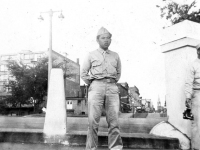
<point>21,146</point>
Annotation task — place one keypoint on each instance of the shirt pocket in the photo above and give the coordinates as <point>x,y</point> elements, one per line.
<point>96,67</point>
<point>96,63</point>
<point>112,68</point>
<point>114,63</point>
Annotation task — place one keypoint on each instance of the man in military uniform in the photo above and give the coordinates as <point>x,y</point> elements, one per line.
<point>192,92</point>
<point>101,70</point>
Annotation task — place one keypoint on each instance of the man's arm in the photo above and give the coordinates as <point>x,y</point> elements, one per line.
<point>189,83</point>
<point>119,67</point>
<point>85,70</point>
<point>189,86</point>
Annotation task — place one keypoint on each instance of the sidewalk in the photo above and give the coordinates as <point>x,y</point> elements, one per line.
<point>22,146</point>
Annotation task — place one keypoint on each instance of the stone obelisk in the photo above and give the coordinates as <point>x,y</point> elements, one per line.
<point>56,116</point>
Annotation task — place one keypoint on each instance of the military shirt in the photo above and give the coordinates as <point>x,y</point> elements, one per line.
<point>193,79</point>
<point>100,64</point>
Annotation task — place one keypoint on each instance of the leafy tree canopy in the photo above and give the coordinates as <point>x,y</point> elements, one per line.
<point>27,81</point>
<point>176,13</point>
<point>32,80</point>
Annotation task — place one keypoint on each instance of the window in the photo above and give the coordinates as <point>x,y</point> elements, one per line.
<point>6,89</point>
<point>4,77</point>
<point>3,68</point>
<point>21,56</point>
<point>37,57</point>
<point>11,77</point>
<point>26,56</point>
<point>8,57</point>
<point>1,88</point>
<point>69,104</point>
<point>31,56</point>
<point>12,57</point>
<point>79,102</point>
<point>4,57</point>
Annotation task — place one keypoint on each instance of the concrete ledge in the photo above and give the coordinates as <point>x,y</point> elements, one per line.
<point>36,124</point>
<point>183,42</point>
<point>21,130</point>
<point>178,31</point>
<point>143,141</point>
<point>140,115</point>
<point>134,132</point>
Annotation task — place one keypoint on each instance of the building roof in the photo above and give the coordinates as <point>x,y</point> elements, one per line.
<point>135,89</point>
<point>23,52</point>
<point>124,85</point>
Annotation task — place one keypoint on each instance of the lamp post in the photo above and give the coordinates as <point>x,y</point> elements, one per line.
<point>34,101</point>
<point>50,12</point>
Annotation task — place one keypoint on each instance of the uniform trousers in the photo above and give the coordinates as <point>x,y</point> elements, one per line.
<point>101,92</point>
<point>195,127</point>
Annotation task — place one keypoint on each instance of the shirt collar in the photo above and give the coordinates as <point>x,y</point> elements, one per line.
<point>102,51</point>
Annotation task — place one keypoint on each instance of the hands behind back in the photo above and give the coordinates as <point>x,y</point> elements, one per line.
<point>188,103</point>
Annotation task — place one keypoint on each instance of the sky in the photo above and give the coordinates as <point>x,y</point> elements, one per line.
<point>135,25</point>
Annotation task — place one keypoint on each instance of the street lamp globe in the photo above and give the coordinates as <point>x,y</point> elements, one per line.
<point>61,16</point>
<point>41,18</point>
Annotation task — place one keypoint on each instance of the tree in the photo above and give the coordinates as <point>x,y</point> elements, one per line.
<point>176,13</point>
<point>27,81</point>
<point>2,106</point>
<point>30,82</point>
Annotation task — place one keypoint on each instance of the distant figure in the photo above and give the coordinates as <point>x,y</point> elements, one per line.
<point>101,70</point>
<point>192,92</point>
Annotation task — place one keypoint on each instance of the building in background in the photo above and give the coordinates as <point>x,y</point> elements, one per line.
<point>125,103</point>
<point>72,72</point>
<point>25,56</point>
<point>139,104</point>
<point>159,107</point>
<point>135,96</point>
<point>71,69</point>
<point>79,105</point>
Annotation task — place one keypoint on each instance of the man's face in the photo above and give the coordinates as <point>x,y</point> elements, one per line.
<point>104,41</point>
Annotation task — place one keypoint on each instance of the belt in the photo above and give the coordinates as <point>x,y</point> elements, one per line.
<point>108,80</point>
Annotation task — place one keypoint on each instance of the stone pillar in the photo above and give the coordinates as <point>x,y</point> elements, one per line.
<point>56,116</point>
<point>178,46</point>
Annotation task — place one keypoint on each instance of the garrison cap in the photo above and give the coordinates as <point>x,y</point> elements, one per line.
<point>103,30</point>
<point>198,46</point>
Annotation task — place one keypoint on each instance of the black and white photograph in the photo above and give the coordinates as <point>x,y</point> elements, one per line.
<point>100,74</point>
